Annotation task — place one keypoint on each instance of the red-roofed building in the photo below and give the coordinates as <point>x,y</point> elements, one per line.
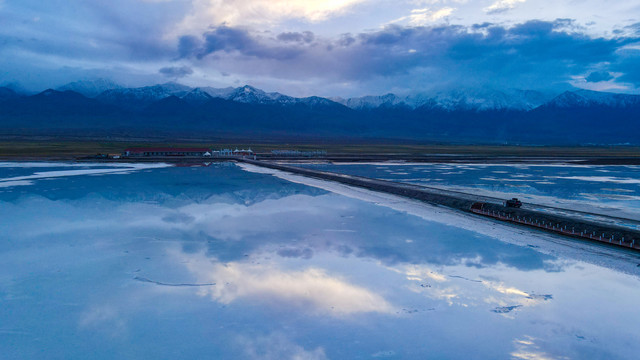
<point>243,152</point>
<point>159,151</point>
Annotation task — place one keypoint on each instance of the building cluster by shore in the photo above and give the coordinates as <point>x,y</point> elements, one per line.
<point>204,152</point>
<point>191,152</point>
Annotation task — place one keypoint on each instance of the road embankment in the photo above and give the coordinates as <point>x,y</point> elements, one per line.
<point>562,225</point>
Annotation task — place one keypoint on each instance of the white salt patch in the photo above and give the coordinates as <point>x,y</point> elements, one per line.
<point>618,190</point>
<point>41,164</point>
<point>611,196</point>
<point>382,164</point>
<point>521,175</point>
<point>15,183</point>
<point>122,168</point>
<point>407,180</point>
<point>504,179</point>
<point>607,179</point>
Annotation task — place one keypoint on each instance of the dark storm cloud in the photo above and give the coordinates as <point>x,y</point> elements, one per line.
<point>306,36</point>
<point>225,39</point>
<point>534,42</point>
<point>346,40</point>
<point>176,71</point>
<point>635,28</point>
<point>188,45</point>
<point>534,52</point>
<point>597,76</point>
<point>628,64</point>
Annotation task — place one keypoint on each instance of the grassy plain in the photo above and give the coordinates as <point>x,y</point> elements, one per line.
<point>50,149</point>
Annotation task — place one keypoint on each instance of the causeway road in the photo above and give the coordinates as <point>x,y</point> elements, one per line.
<point>603,229</point>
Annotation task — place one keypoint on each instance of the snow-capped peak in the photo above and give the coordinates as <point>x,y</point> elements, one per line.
<point>174,88</point>
<point>467,99</point>
<point>90,88</point>
<point>218,92</point>
<point>251,95</point>
<point>370,101</point>
<point>587,98</point>
<point>196,96</point>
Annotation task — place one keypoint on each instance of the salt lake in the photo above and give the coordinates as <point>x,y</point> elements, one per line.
<point>238,262</point>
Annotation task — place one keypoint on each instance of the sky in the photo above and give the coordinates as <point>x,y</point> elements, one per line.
<point>327,48</point>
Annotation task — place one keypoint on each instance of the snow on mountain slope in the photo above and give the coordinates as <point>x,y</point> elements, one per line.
<point>90,88</point>
<point>249,94</point>
<point>143,96</point>
<point>587,98</point>
<point>316,101</point>
<point>484,99</point>
<point>371,102</point>
<point>197,96</point>
<point>218,92</point>
<point>467,99</point>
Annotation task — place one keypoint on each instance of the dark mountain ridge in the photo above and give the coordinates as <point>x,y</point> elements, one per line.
<point>571,118</point>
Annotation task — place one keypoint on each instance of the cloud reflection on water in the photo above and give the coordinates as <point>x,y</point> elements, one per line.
<point>277,346</point>
<point>310,288</point>
<point>462,290</point>
<point>526,349</point>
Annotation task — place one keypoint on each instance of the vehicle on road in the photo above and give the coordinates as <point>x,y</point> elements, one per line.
<point>514,203</point>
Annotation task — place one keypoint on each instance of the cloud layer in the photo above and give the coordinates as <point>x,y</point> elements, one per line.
<point>535,54</point>
<point>338,47</point>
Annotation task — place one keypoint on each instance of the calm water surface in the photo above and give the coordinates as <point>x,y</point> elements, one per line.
<point>112,262</point>
<point>608,190</point>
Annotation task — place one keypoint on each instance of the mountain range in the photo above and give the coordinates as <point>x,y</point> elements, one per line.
<point>102,108</point>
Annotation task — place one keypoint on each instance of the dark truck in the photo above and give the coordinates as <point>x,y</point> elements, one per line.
<point>514,203</point>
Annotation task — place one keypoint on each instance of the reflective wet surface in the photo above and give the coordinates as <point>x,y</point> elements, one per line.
<point>604,189</point>
<point>221,262</point>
